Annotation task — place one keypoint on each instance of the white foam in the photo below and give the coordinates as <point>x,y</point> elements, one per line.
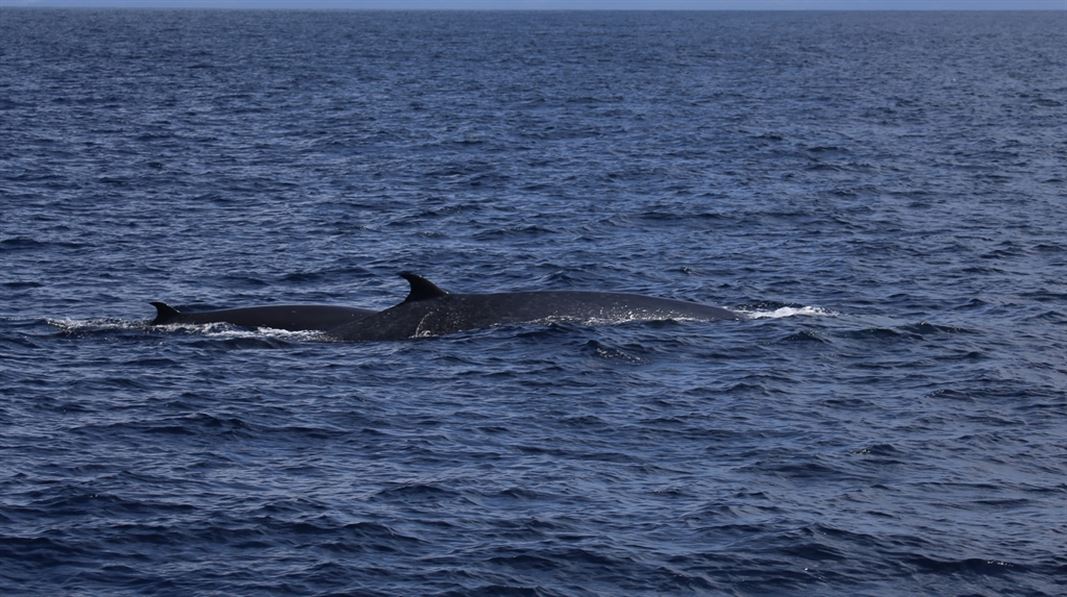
<point>809,311</point>
<point>229,332</point>
<point>211,330</point>
<point>78,325</point>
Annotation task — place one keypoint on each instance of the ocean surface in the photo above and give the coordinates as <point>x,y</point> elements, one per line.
<point>884,195</point>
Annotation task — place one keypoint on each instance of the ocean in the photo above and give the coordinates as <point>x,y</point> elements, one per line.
<point>882,194</point>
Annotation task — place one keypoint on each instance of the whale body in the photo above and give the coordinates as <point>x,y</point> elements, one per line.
<point>279,317</point>
<point>430,311</point>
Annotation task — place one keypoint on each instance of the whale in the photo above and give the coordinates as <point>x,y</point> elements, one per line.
<point>429,310</point>
<point>280,317</point>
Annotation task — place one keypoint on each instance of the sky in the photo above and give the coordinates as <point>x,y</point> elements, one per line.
<point>572,4</point>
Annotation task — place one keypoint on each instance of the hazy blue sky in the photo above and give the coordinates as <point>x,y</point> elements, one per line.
<point>573,4</point>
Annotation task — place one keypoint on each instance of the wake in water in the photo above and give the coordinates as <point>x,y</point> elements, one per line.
<point>780,312</point>
<point>222,331</point>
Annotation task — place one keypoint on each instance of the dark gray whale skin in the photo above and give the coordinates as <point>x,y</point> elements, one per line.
<point>279,317</point>
<point>430,311</point>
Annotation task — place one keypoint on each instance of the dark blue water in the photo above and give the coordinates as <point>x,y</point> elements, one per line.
<point>883,193</point>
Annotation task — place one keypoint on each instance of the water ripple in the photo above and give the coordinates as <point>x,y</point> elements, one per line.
<point>886,420</point>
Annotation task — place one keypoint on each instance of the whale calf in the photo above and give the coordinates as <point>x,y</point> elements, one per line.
<point>279,317</point>
<point>430,311</point>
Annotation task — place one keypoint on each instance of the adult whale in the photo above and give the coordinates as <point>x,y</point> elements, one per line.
<point>431,311</point>
<point>279,317</point>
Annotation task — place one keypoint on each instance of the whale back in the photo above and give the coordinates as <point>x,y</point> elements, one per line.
<point>280,317</point>
<point>430,311</point>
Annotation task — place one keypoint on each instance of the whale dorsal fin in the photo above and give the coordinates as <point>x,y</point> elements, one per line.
<point>421,288</point>
<point>164,313</point>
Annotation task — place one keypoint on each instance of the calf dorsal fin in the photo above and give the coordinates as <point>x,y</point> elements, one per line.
<point>421,288</point>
